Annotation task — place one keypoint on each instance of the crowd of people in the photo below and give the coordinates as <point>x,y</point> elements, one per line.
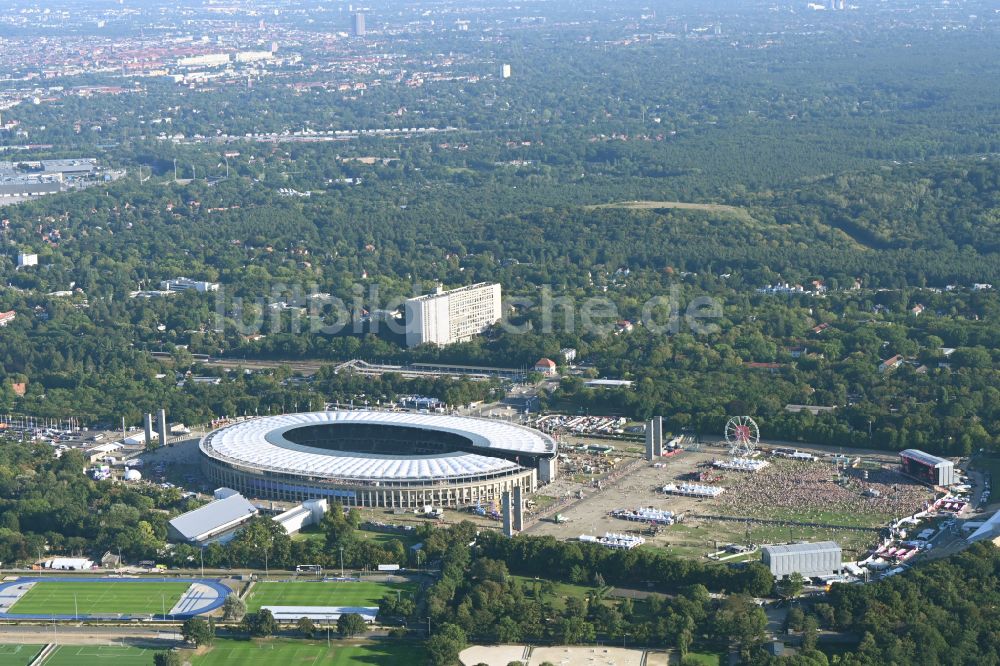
<point>812,492</point>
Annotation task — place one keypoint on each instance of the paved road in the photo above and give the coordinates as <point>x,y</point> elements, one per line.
<point>89,635</point>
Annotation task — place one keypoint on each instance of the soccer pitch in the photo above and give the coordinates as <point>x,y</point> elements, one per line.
<point>308,653</point>
<point>18,655</point>
<point>105,597</point>
<point>317,593</point>
<point>99,655</point>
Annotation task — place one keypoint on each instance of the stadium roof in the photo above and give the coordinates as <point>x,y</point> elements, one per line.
<point>213,517</point>
<point>795,548</point>
<point>925,458</point>
<point>260,443</point>
<point>988,530</point>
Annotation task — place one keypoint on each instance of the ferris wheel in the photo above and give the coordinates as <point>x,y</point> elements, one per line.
<point>742,435</point>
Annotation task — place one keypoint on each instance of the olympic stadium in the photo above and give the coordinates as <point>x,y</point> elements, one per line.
<point>378,459</point>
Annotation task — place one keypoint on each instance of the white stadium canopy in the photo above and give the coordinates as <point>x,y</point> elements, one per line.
<point>261,444</point>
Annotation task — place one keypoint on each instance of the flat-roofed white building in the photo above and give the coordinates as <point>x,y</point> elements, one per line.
<point>216,522</point>
<point>456,315</point>
<point>25,259</point>
<point>205,60</point>
<point>184,284</point>
<point>310,512</point>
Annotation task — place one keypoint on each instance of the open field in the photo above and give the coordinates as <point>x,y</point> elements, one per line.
<point>107,597</point>
<point>317,593</point>
<point>307,653</point>
<point>18,655</point>
<point>679,205</point>
<point>99,655</point>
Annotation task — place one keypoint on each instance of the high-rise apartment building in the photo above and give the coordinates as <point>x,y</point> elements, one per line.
<point>446,317</point>
<point>358,29</point>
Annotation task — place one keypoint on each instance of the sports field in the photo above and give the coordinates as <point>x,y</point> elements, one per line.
<point>316,593</point>
<point>18,655</point>
<point>107,597</point>
<point>99,655</point>
<point>308,653</point>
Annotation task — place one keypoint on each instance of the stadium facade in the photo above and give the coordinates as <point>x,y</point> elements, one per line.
<point>378,459</point>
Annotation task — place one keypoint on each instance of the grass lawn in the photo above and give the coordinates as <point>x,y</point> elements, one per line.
<point>313,533</point>
<point>687,540</point>
<point>308,653</point>
<point>317,593</point>
<point>562,590</point>
<point>706,658</point>
<point>100,655</point>
<point>18,655</point>
<point>106,597</point>
<point>381,538</point>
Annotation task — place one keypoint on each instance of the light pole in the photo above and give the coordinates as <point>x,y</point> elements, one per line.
<point>201,554</point>
<point>341,561</point>
<point>163,607</point>
<point>76,608</point>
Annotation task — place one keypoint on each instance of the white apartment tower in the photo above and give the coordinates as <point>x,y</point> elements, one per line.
<point>445,317</point>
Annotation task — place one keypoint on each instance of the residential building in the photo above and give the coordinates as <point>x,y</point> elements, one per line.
<point>457,315</point>
<point>890,363</point>
<point>7,317</point>
<point>546,366</point>
<point>25,259</point>
<point>358,27</point>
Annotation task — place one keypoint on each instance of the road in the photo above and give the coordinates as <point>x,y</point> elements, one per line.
<point>64,634</point>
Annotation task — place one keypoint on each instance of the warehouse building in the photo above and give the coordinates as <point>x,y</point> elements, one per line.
<point>808,559</point>
<point>927,468</point>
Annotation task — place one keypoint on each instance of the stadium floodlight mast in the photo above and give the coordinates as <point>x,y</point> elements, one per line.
<point>742,436</point>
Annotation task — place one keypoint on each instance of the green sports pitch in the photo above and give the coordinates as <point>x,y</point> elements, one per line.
<point>106,597</point>
<point>18,655</point>
<point>308,653</point>
<point>323,593</point>
<point>99,655</point>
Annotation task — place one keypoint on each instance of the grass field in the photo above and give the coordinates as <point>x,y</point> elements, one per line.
<point>103,598</point>
<point>705,658</point>
<point>740,214</point>
<point>99,655</point>
<point>688,540</point>
<point>304,593</point>
<point>381,538</point>
<point>308,653</point>
<point>18,655</point>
